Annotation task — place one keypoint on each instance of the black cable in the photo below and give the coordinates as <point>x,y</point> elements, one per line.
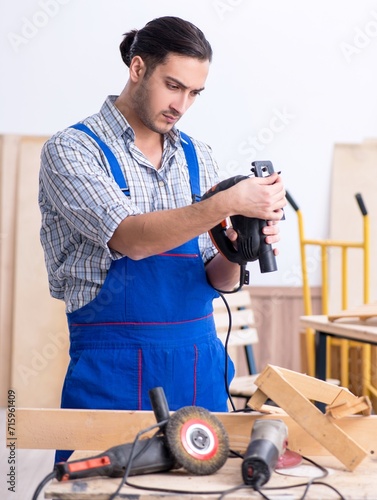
<point>311,482</point>
<point>226,369</point>
<point>43,483</point>
<point>129,464</point>
<point>325,473</point>
<point>243,281</point>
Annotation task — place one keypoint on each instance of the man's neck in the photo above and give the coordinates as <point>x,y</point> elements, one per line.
<point>149,142</point>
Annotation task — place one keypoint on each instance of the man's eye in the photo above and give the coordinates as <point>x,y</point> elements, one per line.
<point>172,86</point>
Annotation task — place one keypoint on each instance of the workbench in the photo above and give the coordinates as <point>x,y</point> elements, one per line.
<point>359,484</point>
<point>359,330</point>
<point>340,440</point>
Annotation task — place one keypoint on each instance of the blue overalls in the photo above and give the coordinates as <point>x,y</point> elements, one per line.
<point>150,325</point>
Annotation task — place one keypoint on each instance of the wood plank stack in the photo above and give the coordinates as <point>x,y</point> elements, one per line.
<point>33,331</point>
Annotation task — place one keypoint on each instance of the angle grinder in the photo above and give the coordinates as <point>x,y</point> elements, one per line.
<point>191,438</point>
<point>251,244</point>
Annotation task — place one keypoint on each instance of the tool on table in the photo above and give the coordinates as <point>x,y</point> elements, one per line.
<point>251,243</point>
<point>191,438</point>
<point>268,443</point>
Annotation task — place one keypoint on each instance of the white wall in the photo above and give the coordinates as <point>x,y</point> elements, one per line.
<point>288,80</point>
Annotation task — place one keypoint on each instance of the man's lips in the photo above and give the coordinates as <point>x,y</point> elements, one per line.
<point>170,118</point>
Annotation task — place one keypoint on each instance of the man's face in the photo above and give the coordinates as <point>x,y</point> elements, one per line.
<point>166,94</point>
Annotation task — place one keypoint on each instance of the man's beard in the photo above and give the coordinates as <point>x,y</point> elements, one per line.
<point>142,108</point>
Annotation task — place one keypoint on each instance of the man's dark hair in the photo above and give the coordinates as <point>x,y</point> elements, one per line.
<point>163,36</point>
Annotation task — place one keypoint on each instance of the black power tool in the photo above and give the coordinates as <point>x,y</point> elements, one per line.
<point>251,243</point>
<point>268,443</point>
<point>191,437</point>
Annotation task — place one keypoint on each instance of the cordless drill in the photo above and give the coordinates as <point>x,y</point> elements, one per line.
<point>268,442</point>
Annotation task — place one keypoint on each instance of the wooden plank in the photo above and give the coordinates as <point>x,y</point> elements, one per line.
<point>310,418</point>
<point>315,389</point>
<point>8,182</point>
<point>360,484</point>
<point>363,312</point>
<point>244,317</point>
<point>353,171</point>
<point>240,337</point>
<point>40,335</point>
<point>238,299</point>
<point>350,328</point>
<point>49,428</point>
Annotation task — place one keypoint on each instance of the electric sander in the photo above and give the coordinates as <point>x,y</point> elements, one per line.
<point>251,244</point>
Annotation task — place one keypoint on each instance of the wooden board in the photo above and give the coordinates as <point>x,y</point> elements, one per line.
<point>354,170</point>
<point>363,312</point>
<point>101,429</point>
<point>360,484</point>
<point>39,331</point>
<point>8,182</point>
<point>281,386</point>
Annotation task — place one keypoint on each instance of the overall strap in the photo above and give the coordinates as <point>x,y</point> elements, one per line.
<point>113,162</point>
<point>188,148</point>
<point>193,166</point>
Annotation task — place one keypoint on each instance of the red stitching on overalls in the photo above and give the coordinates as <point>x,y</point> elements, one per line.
<point>184,256</point>
<point>144,323</point>
<point>139,378</point>
<point>195,374</point>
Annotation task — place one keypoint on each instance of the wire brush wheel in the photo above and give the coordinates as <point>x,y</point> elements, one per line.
<point>197,439</point>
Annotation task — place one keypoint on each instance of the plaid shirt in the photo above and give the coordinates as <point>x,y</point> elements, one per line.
<point>81,204</point>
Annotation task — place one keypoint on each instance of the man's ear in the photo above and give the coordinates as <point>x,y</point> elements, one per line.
<point>137,69</point>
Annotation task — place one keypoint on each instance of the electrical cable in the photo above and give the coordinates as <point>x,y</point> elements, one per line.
<point>226,351</point>
<point>311,482</point>
<point>243,281</point>
<point>128,468</point>
<point>42,484</point>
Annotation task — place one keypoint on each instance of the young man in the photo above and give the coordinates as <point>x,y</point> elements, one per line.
<point>125,246</point>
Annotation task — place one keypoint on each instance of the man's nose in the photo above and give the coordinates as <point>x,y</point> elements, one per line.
<point>181,103</point>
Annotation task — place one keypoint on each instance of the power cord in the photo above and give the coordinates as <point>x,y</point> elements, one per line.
<point>42,484</point>
<point>226,370</point>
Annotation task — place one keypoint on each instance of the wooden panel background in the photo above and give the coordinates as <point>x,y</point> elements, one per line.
<point>354,171</point>
<point>277,311</point>
<point>33,325</point>
<point>8,184</point>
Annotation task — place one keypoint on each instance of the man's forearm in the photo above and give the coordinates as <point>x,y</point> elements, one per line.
<point>141,236</point>
<point>223,274</point>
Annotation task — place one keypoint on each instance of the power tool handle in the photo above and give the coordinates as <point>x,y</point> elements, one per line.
<point>267,259</point>
<point>159,404</point>
<point>109,463</point>
<point>149,456</point>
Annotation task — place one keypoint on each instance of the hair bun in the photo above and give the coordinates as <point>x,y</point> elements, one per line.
<point>126,46</point>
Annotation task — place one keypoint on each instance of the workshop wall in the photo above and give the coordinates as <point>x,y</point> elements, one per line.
<point>289,82</point>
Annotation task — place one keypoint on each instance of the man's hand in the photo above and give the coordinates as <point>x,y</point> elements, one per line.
<point>271,231</point>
